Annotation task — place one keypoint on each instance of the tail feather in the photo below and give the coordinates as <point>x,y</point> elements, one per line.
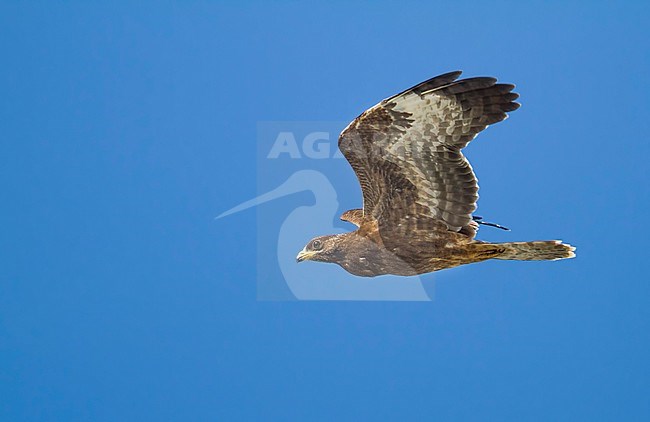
<point>544,250</point>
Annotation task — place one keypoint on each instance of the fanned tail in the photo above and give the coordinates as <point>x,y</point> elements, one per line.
<point>543,250</point>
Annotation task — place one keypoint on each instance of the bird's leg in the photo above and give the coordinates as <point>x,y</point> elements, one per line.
<point>479,220</point>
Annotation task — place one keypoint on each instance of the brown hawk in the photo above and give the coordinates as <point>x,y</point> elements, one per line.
<point>419,191</point>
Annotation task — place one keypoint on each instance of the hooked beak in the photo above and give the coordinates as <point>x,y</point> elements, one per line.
<point>304,255</point>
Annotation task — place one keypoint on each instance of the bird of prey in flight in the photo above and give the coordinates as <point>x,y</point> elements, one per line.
<point>419,191</point>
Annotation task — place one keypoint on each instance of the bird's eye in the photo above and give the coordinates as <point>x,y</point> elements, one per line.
<point>317,245</point>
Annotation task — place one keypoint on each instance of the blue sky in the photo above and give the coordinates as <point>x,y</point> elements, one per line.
<point>127,128</point>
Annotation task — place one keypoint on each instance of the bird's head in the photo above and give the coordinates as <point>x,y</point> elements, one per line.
<point>321,248</point>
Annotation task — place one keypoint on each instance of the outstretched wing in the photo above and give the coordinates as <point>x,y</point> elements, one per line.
<point>406,150</point>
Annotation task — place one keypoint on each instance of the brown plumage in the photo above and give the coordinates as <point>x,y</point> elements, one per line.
<point>419,191</point>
